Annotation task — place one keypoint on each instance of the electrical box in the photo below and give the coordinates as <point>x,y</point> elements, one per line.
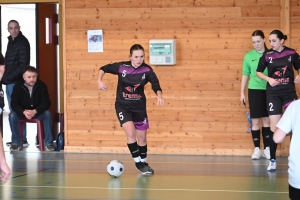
<point>162,52</point>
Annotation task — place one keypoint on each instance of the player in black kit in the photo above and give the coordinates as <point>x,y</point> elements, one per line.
<point>281,82</point>
<point>130,103</point>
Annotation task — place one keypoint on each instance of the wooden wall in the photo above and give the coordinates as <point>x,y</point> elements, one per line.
<point>202,112</point>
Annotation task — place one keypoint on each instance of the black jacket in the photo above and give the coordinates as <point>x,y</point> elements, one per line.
<point>21,100</point>
<point>17,57</point>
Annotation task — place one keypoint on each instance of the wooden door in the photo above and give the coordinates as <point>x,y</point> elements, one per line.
<point>47,44</point>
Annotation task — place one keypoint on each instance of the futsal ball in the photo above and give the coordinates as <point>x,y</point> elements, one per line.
<point>115,168</point>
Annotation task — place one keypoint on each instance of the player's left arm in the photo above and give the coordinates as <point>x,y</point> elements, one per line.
<point>284,126</point>
<point>279,136</point>
<point>156,87</point>
<point>160,100</point>
<point>296,63</point>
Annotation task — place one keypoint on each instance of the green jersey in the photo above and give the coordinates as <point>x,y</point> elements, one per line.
<point>250,64</point>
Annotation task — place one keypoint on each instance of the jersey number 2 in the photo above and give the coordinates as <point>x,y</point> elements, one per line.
<point>271,107</point>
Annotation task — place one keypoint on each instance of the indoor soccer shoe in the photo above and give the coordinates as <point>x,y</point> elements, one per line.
<point>256,154</point>
<point>266,153</point>
<point>144,168</point>
<point>272,166</point>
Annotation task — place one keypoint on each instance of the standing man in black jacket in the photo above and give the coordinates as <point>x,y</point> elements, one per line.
<point>30,99</point>
<point>17,57</point>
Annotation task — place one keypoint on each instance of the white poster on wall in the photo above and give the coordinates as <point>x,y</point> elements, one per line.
<point>95,40</point>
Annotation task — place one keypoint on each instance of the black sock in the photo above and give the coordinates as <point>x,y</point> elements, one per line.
<point>133,148</point>
<point>143,152</point>
<point>273,146</point>
<point>256,137</point>
<point>266,136</point>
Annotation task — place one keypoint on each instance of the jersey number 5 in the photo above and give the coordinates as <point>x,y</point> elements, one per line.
<point>121,116</point>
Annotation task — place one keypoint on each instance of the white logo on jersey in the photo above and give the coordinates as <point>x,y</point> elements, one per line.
<point>270,60</point>
<point>124,73</point>
<point>143,77</point>
<point>290,59</point>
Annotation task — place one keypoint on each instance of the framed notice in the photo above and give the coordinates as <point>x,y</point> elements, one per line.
<point>95,40</point>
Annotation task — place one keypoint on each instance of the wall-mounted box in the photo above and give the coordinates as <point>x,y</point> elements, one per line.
<point>162,52</point>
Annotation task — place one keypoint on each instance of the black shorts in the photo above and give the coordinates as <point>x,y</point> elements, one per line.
<point>257,103</point>
<point>139,119</point>
<point>294,193</point>
<point>276,104</point>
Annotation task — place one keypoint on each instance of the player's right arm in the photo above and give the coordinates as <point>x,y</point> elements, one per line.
<point>246,71</point>
<point>101,85</point>
<point>260,69</point>
<point>109,68</point>
<point>243,87</point>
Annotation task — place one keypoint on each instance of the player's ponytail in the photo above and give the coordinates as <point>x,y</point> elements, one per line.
<point>279,34</point>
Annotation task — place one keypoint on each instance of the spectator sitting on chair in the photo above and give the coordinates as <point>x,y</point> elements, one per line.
<point>30,99</point>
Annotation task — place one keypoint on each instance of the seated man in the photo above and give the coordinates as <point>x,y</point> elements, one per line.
<point>30,99</point>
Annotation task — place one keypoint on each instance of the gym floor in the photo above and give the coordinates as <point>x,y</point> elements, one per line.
<point>58,175</point>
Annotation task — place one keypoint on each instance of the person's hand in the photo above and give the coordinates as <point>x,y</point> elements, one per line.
<point>273,82</point>
<point>31,113</point>
<point>5,174</point>
<point>101,85</point>
<point>297,79</point>
<point>27,114</point>
<point>2,69</point>
<point>243,99</point>
<point>160,101</point>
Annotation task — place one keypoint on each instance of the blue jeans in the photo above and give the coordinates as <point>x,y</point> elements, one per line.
<point>45,117</point>
<point>9,90</point>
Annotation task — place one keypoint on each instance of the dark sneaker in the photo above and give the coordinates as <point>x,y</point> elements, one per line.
<point>25,143</point>
<point>15,148</point>
<point>144,168</point>
<point>49,148</point>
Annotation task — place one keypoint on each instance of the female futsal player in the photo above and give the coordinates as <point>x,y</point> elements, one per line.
<point>5,171</point>
<point>130,102</point>
<point>281,91</point>
<point>256,96</point>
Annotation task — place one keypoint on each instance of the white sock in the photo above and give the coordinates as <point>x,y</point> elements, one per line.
<point>137,159</point>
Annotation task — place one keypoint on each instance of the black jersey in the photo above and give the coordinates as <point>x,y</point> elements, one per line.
<point>131,83</point>
<point>280,67</point>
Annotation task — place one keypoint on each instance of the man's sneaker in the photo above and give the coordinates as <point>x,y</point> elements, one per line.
<point>266,153</point>
<point>144,168</point>
<point>272,166</point>
<point>256,154</point>
<point>49,148</point>
<point>25,143</point>
<point>15,148</point>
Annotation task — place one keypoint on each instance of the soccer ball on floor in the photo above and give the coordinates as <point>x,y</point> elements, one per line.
<point>115,168</point>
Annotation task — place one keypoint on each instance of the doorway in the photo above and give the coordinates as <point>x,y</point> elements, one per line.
<point>42,35</point>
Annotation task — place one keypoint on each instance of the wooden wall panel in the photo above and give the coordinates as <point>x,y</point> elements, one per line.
<point>166,3</point>
<point>202,113</point>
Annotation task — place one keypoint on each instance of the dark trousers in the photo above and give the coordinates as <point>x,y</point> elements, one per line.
<point>294,193</point>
